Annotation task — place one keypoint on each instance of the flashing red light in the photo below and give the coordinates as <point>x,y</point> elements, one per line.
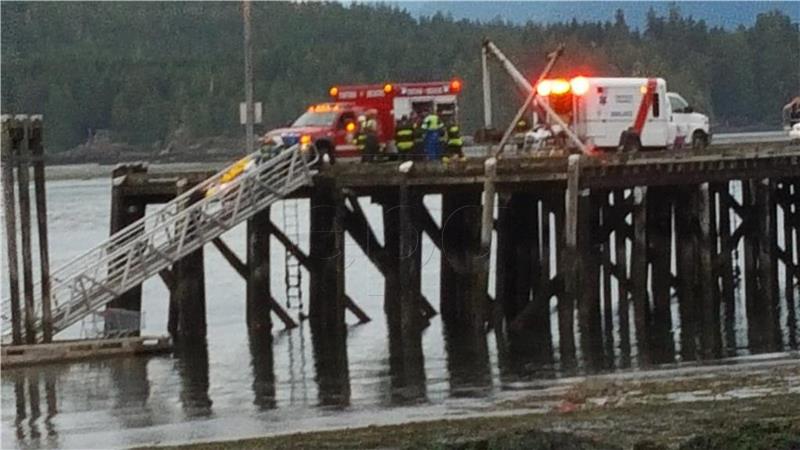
<point>387,88</point>
<point>579,85</point>
<point>455,86</point>
<point>334,91</point>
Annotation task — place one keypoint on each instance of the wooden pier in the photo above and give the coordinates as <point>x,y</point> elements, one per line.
<point>610,243</point>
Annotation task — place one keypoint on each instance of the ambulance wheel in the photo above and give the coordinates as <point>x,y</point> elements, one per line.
<point>699,140</point>
<point>629,142</point>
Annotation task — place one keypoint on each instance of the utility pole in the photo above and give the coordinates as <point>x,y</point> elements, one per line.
<point>248,77</point>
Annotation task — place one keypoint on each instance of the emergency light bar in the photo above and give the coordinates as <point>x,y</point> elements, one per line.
<point>560,86</point>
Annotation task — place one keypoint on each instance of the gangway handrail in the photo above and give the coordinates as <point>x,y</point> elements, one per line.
<point>143,248</point>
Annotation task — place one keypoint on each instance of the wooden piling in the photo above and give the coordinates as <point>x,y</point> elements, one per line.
<point>790,267</point>
<point>564,261</point>
<point>768,264</point>
<point>639,276</point>
<point>23,179</point>
<point>621,263</point>
<point>760,273</point>
<point>10,217</point>
<point>686,263</point>
<point>125,211</point>
<point>659,240</point>
<point>527,303</point>
<point>588,298</point>
<point>606,212</point>
<point>327,282</point>
<point>725,266</point>
<point>190,291</point>
<point>37,150</point>
<point>460,237</point>
<point>710,337</point>
<point>258,268</point>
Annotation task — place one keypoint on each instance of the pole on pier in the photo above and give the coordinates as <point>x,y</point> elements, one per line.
<point>37,150</point>
<point>10,216</point>
<point>248,75</point>
<point>23,179</point>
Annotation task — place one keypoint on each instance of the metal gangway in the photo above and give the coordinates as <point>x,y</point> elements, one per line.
<point>158,240</point>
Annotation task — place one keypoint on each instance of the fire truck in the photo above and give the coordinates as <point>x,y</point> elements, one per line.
<point>628,113</point>
<point>332,126</point>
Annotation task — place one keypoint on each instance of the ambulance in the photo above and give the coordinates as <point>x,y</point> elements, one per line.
<point>626,113</point>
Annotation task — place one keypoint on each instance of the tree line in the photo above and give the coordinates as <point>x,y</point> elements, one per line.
<point>146,70</point>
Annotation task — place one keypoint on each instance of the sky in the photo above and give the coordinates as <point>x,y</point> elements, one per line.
<point>715,13</point>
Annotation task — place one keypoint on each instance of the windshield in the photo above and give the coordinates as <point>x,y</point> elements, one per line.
<point>678,104</point>
<point>315,119</point>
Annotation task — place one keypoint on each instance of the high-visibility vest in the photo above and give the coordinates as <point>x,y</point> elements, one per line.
<point>454,136</point>
<point>432,122</point>
<point>361,140</point>
<point>404,137</point>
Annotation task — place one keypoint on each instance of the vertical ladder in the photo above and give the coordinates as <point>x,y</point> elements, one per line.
<point>293,272</point>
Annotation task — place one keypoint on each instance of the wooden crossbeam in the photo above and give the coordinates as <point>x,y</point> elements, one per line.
<point>305,261</point>
<point>241,268</point>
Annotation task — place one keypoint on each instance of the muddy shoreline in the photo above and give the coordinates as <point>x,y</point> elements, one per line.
<point>754,406</point>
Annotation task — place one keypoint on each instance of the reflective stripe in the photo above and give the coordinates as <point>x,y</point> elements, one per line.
<point>644,107</point>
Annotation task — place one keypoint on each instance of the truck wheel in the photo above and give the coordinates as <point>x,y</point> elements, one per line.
<point>699,140</point>
<point>325,148</point>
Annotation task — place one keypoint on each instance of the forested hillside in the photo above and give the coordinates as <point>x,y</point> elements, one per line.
<point>145,70</point>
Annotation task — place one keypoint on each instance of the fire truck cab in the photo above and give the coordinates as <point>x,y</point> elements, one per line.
<point>630,113</point>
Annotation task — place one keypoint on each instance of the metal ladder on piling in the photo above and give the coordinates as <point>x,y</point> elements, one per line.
<point>158,240</point>
<point>293,275</point>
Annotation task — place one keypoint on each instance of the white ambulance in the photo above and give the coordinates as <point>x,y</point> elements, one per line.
<point>626,113</point>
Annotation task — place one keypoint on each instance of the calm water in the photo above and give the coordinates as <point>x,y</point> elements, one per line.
<point>237,387</point>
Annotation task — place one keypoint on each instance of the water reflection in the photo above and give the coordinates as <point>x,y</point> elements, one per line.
<point>131,391</point>
<point>263,365</point>
<point>192,366</point>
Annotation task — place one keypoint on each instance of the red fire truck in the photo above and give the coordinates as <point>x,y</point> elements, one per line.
<point>332,126</point>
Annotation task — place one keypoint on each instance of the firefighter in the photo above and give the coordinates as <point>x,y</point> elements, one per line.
<point>404,138</point>
<point>371,142</point>
<point>361,135</point>
<point>417,151</point>
<point>455,145</point>
<point>434,129</point>
<point>521,128</point>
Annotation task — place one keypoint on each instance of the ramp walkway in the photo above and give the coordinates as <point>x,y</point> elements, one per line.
<point>158,240</point>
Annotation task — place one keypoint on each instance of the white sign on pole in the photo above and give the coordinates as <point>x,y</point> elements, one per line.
<point>243,113</point>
